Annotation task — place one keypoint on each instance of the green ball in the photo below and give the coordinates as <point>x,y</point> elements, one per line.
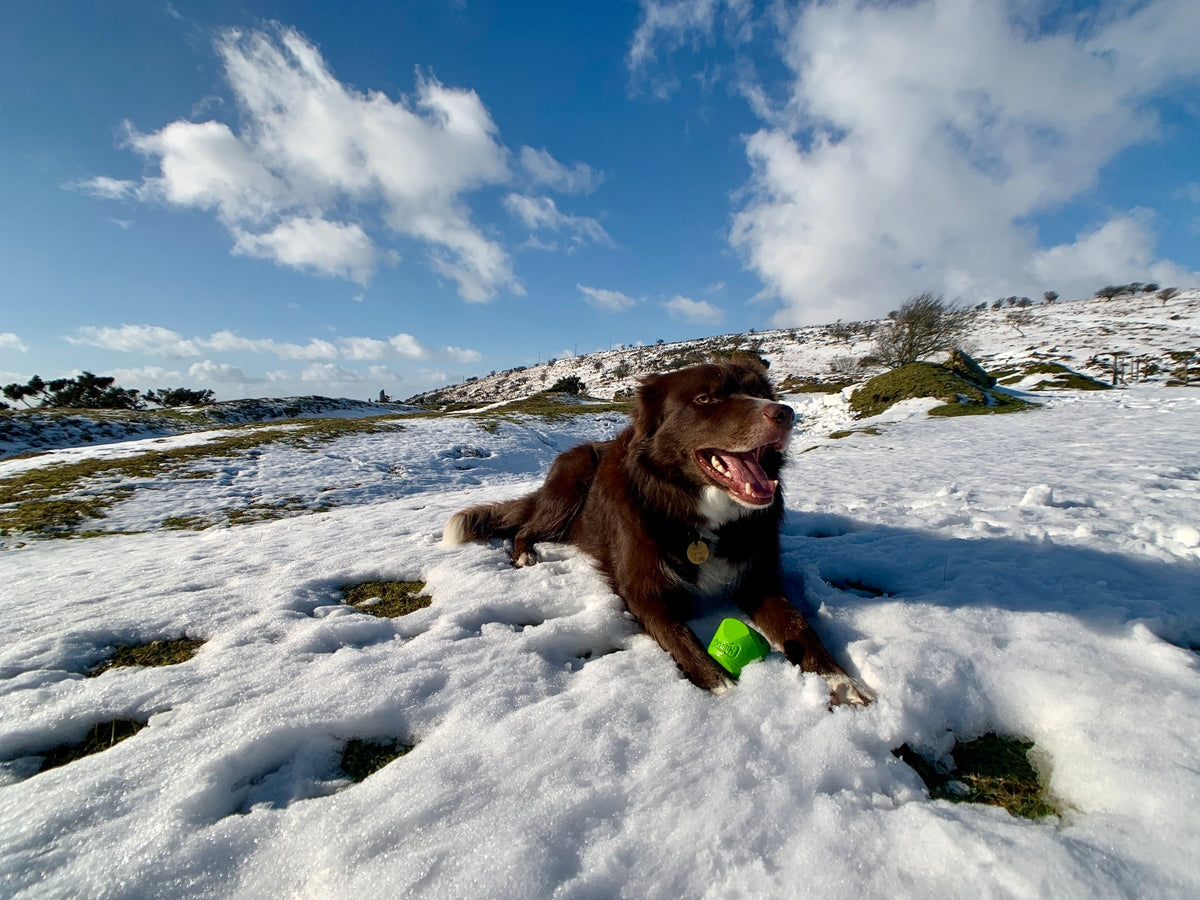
<point>736,645</point>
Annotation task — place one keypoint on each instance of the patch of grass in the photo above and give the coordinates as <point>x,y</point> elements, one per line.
<point>186,523</point>
<point>155,653</point>
<point>991,769</point>
<point>838,435</point>
<point>265,512</point>
<point>387,599</point>
<point>554,406</point>
<point>362,758</point>
<point>922,379</point>
<point>795,384</point>
<point>1062,378</point>
<point>102,736</point>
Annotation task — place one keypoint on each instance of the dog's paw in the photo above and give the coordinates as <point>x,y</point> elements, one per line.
<point>846,690</point>
<point>527,558</point>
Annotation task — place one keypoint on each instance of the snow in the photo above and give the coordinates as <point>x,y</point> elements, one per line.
<point>1034,574</point>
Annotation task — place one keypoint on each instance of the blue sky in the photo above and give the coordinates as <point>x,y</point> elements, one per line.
<point>269,199</point>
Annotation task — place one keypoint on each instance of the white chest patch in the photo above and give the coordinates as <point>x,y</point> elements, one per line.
<point>717,577</point>
<point>717,507</point>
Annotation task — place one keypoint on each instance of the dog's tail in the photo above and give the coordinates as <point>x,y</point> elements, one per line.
<point>490,520</point>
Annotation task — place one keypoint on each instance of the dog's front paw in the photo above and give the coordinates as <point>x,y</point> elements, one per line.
<point>846,690</point>
<point>526,558</point>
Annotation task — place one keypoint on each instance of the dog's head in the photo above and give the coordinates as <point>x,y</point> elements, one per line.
<point>718,425</point>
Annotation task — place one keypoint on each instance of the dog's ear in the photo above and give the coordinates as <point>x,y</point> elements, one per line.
<point>648,405</point>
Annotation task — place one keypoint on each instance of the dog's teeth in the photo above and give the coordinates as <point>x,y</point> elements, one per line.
<point>748,489</point>
<point>716,464</point>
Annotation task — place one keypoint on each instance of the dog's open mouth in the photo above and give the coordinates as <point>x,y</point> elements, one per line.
<point>740,474</point>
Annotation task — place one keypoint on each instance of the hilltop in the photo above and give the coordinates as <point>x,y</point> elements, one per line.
<point>1085,335</point>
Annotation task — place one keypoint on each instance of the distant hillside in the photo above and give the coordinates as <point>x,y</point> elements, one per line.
<point>1083,334</point>
<point>35,430</point>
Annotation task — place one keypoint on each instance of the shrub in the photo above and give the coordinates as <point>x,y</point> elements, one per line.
<point>923,326</point>
<point>568,385</point>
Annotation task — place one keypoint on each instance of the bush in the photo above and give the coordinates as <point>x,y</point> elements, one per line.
<point>923,326</point>
<point>568,385</point>
<point>168,397</point>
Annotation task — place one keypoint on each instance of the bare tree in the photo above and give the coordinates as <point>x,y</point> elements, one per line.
<point>926,324</point>
<point>1019,317</point>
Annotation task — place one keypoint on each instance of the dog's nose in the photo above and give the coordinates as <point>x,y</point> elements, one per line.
<point>781,415</point>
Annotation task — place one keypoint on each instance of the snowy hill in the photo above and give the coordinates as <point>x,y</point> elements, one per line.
<point>1034,576</point>
<point>1082,334</point>
<point>36,430</point>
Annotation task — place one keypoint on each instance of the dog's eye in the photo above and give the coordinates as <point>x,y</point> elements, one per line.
<point>703,398</point>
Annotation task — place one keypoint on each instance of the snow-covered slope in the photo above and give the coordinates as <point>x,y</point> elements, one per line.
<point>1082,334</point>
<point>1034,574</point>
<point>36,430</point>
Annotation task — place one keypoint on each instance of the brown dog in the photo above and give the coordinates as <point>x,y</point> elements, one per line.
<point>682,505</point>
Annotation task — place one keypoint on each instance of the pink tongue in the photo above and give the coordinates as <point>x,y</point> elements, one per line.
<point>744,470</point>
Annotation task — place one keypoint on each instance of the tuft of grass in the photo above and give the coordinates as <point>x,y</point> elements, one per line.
<point>1062,378</point>
<point>550,405</point>
<point>795,384</point>
<point>186,523</point>
<point>991,769</point>
<point>923,379</point>
<point>838,435</point>
<point>362,758</point>
<point>155,653</point>
<point>102,736</point>
<point>387,599</point>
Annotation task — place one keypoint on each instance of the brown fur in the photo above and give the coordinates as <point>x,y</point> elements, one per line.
<point>636,502</point>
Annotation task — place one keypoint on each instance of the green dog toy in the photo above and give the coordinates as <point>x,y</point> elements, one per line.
<point>736,645</point>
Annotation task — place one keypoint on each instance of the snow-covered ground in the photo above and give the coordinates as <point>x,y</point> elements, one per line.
<point>1038,575</point>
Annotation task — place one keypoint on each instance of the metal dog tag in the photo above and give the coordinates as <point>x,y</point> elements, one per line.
<point>697,552</point>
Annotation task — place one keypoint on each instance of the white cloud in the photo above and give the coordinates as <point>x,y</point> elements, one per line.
<point>104,188</point>
<point>545,169</point>
<point>328,248</point>
<point>610,301</point>
<point>148,376</point>
<point>407,346</point>
<point>694,310</point>
<point>1113,253</point>
<point>909,145</point>
<point>328,373</point>
<point>463,355</point>
<point>152,340</point>
<point>309,148</point>
<point>538,213</point>
<point>9,341</point>
<point>209,372</point>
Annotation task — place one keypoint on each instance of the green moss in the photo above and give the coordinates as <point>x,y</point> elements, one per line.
<point>102,736</point>
<point>387,599</point>
<point>1062,378</point>
<point>991,769</point>
<point>922,379</point>
<point>362,758</point>
<point>155,653</point>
